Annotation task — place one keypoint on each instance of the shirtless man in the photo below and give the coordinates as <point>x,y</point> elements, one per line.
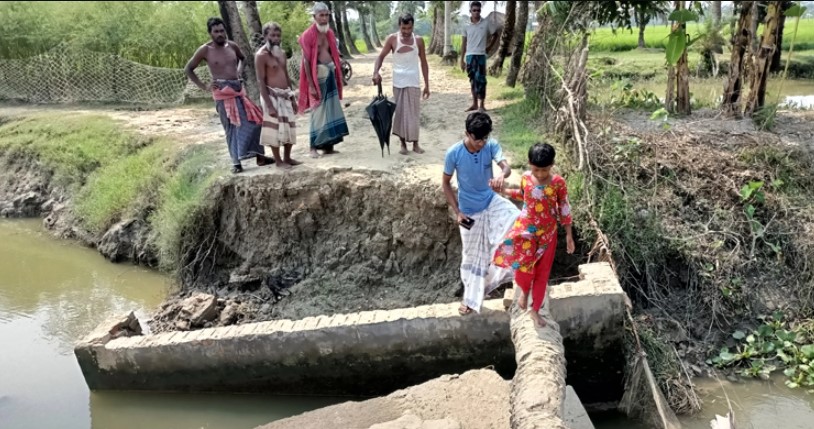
<point>279,104</point>
<point>321,84</point>
<point>225,62</point>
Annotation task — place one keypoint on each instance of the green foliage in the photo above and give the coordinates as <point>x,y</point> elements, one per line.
<point>293,16</point>
<point>180,197</point>
<point>123,187</point>
<point>775,344</point>
<point>625,95</point>
<point>72,147</point>
<point>677,42</point>
<point>163,34</point>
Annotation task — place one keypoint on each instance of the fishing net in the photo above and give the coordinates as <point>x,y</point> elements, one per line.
<point>68,74</point>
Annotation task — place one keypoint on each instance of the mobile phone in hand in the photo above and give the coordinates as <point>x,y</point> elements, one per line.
<point>467,223</point>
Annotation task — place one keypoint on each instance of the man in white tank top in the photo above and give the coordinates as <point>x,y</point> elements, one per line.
<point>407,51</point>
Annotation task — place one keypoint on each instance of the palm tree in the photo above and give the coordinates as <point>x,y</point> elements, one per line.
<point>336,26</point>
<point>519,42</point>
<point>346,27</point>
<point>506,39</point>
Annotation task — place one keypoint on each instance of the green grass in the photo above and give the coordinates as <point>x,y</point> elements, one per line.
<point>123,187</point>
<point>180,197</point>
<point>70,146</point>
<point>360,45</point>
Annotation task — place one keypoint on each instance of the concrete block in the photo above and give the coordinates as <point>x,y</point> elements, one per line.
<point>574,415</point>
<point>508,298</point>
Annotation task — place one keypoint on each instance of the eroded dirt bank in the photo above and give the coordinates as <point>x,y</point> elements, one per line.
<point>329,241</point>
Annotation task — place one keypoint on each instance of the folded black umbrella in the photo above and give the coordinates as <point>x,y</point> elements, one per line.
<point>380,111</point>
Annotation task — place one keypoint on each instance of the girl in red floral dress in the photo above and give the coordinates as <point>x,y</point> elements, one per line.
<point>529,247</point>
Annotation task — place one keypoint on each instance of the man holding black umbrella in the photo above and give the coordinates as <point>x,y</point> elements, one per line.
<point>408,51</point>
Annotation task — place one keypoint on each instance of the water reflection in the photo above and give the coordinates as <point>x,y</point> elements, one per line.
<point>185,411</point>
<point>800,101</point>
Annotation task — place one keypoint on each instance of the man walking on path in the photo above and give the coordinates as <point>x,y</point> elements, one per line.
<point>279,105</point>
<point>484,217</point>
<point>241,119</point>
<point>476,36</point>
<point>321,84</point>
<point>407,52</point>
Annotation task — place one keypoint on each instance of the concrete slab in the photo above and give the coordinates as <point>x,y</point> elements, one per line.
<point>574,414</point>
<point>475,399</point>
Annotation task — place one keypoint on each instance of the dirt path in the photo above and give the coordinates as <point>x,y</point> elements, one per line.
<point>442,124</point>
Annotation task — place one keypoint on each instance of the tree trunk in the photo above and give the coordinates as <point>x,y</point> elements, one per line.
<point>763,59</point>
<point>365,34</point>
<point>741,38</point>
<point>437,33</point>
<point>519,42</point>
<point>535,70</point>
<point>348,35</point>
<point>716,13</point>
<point>256,27</point>
<point>781,26</point>
<point>337,27</point>
<point>249,78</point>
<point>642,21</point>
<point>374,32</point>
<point>683,106</point>
<point>447,28</point>
<point>506,39</point>
<point>670,94</point>
<point>680,77</point>
<point>224,15</point>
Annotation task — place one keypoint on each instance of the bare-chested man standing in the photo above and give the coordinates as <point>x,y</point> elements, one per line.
<point>279,103</point>
<point>241,119</point>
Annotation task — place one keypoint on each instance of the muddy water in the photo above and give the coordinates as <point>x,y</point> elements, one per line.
<point>54,292</point>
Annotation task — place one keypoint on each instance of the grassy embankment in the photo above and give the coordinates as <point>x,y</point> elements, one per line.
<point>112,173</point>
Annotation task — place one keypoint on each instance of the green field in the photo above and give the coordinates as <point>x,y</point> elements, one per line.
<point>655,36</point>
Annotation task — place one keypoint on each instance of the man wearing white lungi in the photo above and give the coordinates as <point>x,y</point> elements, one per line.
<point>407,51</point>
<point>484,216</point>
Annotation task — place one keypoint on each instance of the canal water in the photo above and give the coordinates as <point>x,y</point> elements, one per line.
<point>53,292</point>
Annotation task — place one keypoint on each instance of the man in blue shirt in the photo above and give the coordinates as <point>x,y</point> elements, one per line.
<point>484,216</point>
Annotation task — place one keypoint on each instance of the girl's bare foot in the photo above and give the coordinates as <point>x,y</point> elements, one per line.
<point>291,161</point>
<point>471,108</point>
<point>283,165</point>
<point>523,301</point>
<point>314,154</point>
<point>403,149</point>
<point>538,320</point>
<point>417,148</point>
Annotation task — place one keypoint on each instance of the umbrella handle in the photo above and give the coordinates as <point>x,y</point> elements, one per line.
<point>380,88</point>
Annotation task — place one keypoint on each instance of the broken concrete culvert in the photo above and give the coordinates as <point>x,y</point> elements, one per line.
<point>317,242</point>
